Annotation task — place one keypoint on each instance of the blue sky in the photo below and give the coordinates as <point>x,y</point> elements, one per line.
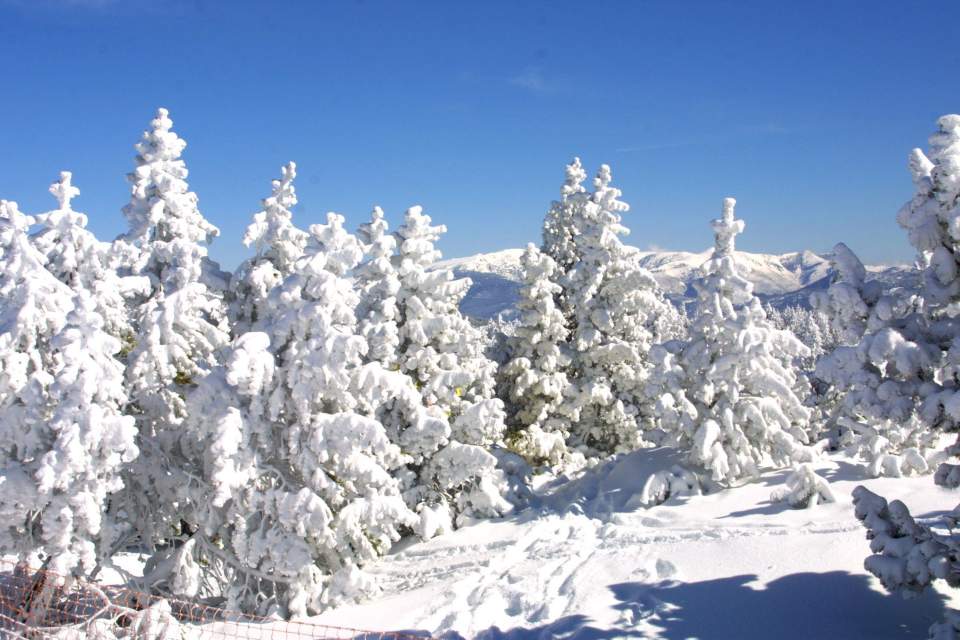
<point>804,111</point>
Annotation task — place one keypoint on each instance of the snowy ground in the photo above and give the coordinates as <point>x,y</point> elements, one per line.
<point>587,562</point>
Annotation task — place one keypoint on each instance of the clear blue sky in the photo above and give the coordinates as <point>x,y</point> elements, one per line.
<point>804,111</point>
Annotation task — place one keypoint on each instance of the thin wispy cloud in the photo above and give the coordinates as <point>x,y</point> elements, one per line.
<point>532,80</point>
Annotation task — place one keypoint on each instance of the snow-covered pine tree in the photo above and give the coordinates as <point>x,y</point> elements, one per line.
<point>87,442</point>
<point>741,374</point>
<point>535,378</point>
<point>443,353</point>
<point>439,347</point>
<point>898,381</point>
<point>301,480</point>
<point>278,244</point>
<point>378,284</point>
<point>75,257</point>
<point>916,359</point>
<point>180,326</point>
<point>34,310</point>
<point>617,313</point>
<point>561,224</point>
<point>848,301</point>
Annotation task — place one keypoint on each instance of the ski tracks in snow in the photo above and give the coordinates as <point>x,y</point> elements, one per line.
<point>559,562</point>
<point>534,580</point>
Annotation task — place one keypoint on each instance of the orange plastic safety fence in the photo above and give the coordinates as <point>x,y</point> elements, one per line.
<point>41,604</point>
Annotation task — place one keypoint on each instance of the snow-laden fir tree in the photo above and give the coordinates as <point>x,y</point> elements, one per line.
<point>897,383</point>
<point>278,244</point>
<point>919,367</point>
<point>439,347</point>
<point>85,442</point>
<point>443,353</point>
<point>74,255</point>
<point>847,302</point>
<point>535,378</point>
<point>290,482</point>
<point>378,284</point>
<point>740,372</point>
<point>33,311</point>
<point>180,326</point>
<point>617,312</point>
<point>561,224</point>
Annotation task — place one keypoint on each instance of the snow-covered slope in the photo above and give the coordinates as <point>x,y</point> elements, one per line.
<point>783,280</point>
<point>586,561</point>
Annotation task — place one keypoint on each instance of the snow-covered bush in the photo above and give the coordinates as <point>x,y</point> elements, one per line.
<point>180,326</point>
<point>670,483</point>
<point>278,243</point>
<point>804,489</point>
<point>740,375</point>
<point>908,556</point>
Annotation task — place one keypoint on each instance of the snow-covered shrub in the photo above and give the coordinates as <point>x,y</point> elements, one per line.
<point>180,326</point>
<point>907,556</point>
<point>669,483</point>
<point>378,283</point>
<point>538,392</point>
<point>278,243</point>
<point>615,311</point>
<point>740,375</point>
<point>804,489</point>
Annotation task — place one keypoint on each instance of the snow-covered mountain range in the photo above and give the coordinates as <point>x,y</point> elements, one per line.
<point>781,279</point>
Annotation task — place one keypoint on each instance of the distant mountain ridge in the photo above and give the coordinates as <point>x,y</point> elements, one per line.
<point>783,280</point>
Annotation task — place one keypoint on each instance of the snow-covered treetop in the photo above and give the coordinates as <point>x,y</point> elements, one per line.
<point>605,195</point>
<point>726,229</point>
<point>272,230</point>
<point>340,248</point>
<point>12,221</point>
<point>417,237</point>
<point>63,190</point>
<point>847,265</point>
<point>161,208</point>
<point>374,234</point>
<point>575,176</point>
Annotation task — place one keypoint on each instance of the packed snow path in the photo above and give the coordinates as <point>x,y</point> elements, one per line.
<point>585,561</point>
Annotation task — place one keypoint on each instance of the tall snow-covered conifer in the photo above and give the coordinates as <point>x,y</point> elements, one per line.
<point>616,312</point>
<point>898,381</point>
<point>300,476</point>
<point>88,443</point>
<point>180,326</point>
<point>34,309</point>
<point>536,381</point>
<point>443,353</point>
<point>741,373</point>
